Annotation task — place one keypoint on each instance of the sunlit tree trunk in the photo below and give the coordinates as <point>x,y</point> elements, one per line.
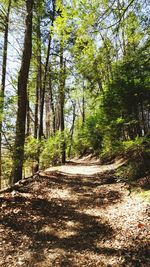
<point>52,102</point>
<point>47,110</point>
<point>2,89</point>
<point>83,106</point>
<point>72,129</point>
<point>41,133</point>
<point>62,98</point>
<point>38,79</point>
<point>18,156</point>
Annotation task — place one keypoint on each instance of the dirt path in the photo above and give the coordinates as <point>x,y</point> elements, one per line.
<point>74,215</point>
<point>84,167</point>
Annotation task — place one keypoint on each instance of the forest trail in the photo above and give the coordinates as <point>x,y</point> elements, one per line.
<point>85,166</point>
<point>74,215</point>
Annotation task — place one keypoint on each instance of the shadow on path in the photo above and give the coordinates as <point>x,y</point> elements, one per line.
<point>48,220</point>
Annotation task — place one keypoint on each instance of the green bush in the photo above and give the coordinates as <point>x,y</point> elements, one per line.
<point>137,154</point>
<point>33,148</point>
<point>136,146</point>
<point>51,154</point>
<point>88,138</point>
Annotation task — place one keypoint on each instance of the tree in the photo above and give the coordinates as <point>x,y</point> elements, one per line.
<point>18,156</point>
<point>3,82</point>
<point>41,133</point>
<point>38,68</point>
<point>62,99</point>
<point>88,78</point>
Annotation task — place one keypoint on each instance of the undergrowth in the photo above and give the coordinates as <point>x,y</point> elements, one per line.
<point>137,156</point>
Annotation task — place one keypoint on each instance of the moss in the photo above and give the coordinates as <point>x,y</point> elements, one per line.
<point>145,195</point>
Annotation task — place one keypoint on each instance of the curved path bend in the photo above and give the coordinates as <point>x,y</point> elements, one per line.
<point>74,216</point>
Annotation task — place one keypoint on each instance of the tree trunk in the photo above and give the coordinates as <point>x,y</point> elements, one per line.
<point>57,116</point>
<point>18,156</point>
<point>72,129</point>
<point>83,106</point>
<point>123,32</point>
<point>28,117</point>
<point>38,78</point>
<point>47,110</point>
<point>52,102</point>
<point>143,119</point>
<point>41,133</point>
<point>2,91</point>
<point>62,86</point>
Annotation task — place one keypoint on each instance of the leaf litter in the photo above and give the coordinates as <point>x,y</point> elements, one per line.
<point>72,217</point>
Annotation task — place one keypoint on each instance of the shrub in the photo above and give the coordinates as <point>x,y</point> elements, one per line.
<point>88,138</point>
<point>51,154</point>
<point>137,154</point>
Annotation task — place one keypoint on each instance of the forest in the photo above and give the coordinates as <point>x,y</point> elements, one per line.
<point>74,115</point>
<point>75,80</point>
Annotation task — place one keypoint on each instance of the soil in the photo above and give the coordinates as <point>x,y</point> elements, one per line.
<point>74,215</point>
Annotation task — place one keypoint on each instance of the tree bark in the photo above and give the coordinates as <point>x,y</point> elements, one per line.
<point>41,133</point>
<point>28,117</point>
<point>47,110</point>
<point>62,97</point>
<point>72,128</point>
<point>83,106</point>
<point>52,102</point>
<point>38,79</point>
<point>2,91</point>
<point>18,156</point>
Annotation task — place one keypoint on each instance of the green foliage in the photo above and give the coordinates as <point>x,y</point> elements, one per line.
<point>106,79</point>
<point>125,96</point>
<point>81,143</point>
<point>51,153</point>
<point>136,146</point>
<point>89,137</point>
<point>46,152</point>
<point>110,148</point>
<point>33,148</point>
<point>137,154</point>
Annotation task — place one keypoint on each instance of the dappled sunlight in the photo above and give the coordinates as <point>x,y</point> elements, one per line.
<point>64,194</point>
<point>97,212</point>
<point>58,232</point>
<point>72,220</point>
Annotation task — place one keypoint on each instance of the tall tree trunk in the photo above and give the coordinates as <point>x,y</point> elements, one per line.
<point>143,119</point>
<point>108,60</point>
<point>57,116</point>
<point>38,78</point>
<point>47,110</point>
<point>83,105</point>
<point>2,90</point>
<point>62,97</point>
<point>18,156</point>
<point>123,31</point>
<point>38,84</point>
<point>41,133</point>
<point>52,102</point>
<point>72,128</point>
<point>28,117</point>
